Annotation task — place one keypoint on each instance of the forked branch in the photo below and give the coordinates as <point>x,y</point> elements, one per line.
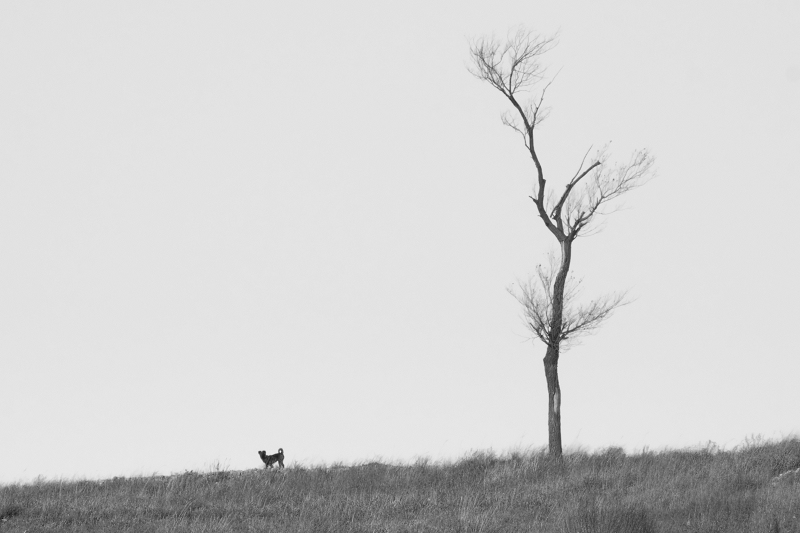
<point>513,67</point>
<point>604,186</point>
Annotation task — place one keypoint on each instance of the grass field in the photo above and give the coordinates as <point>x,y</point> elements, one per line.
<point>685,490</point>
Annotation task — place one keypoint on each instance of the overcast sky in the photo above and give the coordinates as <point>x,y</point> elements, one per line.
<point>235,226</point>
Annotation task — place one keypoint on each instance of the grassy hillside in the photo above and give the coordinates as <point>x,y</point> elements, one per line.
<point>687,491</point>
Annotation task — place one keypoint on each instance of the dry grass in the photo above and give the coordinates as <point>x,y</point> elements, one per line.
<point>688,491</point>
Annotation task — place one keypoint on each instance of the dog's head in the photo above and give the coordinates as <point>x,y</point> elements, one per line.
<point>262,454</point>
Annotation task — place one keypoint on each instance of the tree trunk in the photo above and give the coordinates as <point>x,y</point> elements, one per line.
<point>551,357</point>
<point>553,402</point>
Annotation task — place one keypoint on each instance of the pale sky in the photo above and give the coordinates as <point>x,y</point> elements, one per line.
<point>237,226</point>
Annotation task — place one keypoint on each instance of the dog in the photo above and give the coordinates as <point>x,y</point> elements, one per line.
<point>270,460</point>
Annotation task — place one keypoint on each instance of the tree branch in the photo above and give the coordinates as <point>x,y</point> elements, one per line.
<point>515,68</point>
<point>556,214</point>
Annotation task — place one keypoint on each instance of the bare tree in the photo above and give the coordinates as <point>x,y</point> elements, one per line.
<point>512,66</point>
